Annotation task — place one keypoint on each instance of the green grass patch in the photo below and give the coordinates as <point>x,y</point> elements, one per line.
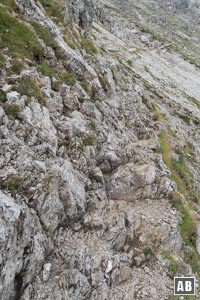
<point>13,184</point>
<point>157,114</point>
<point>184,180</point>
<point>46,70</point>
<point>44,35</point>
<point>69,39</point>
<point>86,85</point>
<point>179,171</point>
<point>88,45</point>
<point>17,66</point>
<point>92,124</point>
<point>148,251</point>
<point>28,87</point>
<point>114,71</point>
<point>89,140</point>
<point>2,60</point>
<point>104,82</point>
<point>19,38</point>
<point>12,109</point>
<point>2,96</point>
<point>185,118</point>
<point>193,259</point>
<point>194,100</point>
<point>10,4</point>
<point>173,263</point>
<point>53,9</point>
<point>67,77</point>
<point>188,228</point>
<point>61,77</point>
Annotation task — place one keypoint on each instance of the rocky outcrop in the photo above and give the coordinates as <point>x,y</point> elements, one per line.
<point>82,12</point>
<point>99,144</point>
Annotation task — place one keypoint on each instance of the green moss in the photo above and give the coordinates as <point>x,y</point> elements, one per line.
<point>44,35</point>
<point>18,38</point>
<point>13,184</point>
<point>174,265</point>
<point>88,45</point>
<point>27,86</point>
<point>12,109</point>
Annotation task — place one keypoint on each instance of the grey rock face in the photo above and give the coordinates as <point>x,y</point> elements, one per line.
<point>82,11</point>
<point>23,247</point>
<point>86,200</point>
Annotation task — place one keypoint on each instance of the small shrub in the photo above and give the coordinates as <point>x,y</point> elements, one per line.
<point>12,109</point>
<point>13,184</point>
<point>147,251</point>
<point>2,96</point>
<point>89,140</point>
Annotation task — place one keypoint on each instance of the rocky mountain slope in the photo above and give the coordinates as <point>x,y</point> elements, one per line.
<point>99,149</point>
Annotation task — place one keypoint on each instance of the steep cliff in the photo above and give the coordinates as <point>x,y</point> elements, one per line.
<point>99,149</point>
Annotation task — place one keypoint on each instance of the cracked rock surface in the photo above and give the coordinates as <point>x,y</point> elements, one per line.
<point>99,151</point>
